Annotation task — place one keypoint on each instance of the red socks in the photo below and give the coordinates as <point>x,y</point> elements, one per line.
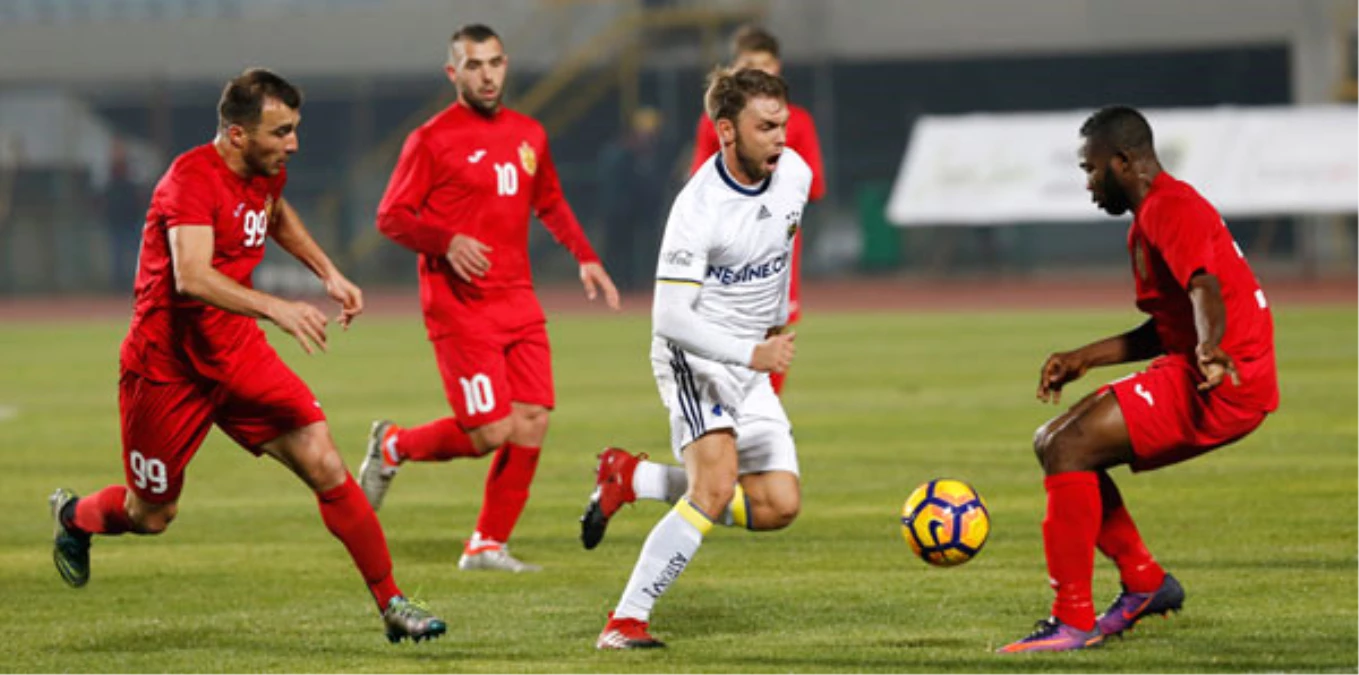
<point>438,441</point>
<point>349,517</point>
<point>507,490</point>
<point>1118,539</point>
<point>1069,533</point>
<point>104,512</point>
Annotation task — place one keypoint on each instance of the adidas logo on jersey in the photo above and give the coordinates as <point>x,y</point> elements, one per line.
<point>764,213</point>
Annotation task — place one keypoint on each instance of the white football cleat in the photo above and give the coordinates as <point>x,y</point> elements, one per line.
<point>375,474</point>
<point>494,557</point>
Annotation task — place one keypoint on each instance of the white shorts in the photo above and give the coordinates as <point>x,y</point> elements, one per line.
<point>704,396</point>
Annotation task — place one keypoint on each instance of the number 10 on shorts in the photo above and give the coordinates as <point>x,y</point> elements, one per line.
<point>480,397</point>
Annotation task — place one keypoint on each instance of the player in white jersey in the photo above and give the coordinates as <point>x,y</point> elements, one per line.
<point>720,307</point>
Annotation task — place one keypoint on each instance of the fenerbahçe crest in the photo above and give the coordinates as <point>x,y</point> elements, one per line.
<point>793,224</point>
<point>527,158</point>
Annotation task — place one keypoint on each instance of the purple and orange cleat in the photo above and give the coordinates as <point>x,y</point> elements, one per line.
<point>1051,635</point>
<point>613,489</point>
<point>1129,608</point>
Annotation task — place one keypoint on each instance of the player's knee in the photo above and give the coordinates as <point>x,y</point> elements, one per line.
<point>1040,441</point>
<point>152,519</point>
<point>711,499</point>
<point>781,514</point>
<point>530,426</point>
<point>1062,451</point>
<point>487,437</point>
<point>326,470</point>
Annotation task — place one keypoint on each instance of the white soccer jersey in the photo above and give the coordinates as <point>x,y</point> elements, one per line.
<point>736,243</point>
<point>722,283</point>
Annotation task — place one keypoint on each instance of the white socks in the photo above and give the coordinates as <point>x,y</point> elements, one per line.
<point>667,551</point>
<point>661,482</point>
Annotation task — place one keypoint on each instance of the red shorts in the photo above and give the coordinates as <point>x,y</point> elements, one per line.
<point>1169,420</point>
<point>164,423</point>
<point>484,372</point>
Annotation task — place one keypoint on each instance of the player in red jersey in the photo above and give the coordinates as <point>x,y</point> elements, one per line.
<point>754,47</point>
<point>460,196</point>
<point>1212,382</point>
<point>194,355</point>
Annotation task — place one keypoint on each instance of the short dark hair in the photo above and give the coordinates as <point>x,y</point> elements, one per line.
<point>728,91</point>
<point>751,38</point>
<point>1121,127</point>
<point>243,97</point>
<point>476,32</point>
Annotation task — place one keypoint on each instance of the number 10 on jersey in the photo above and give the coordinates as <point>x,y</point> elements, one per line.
<point>477,390</point>
<point>506,179</point>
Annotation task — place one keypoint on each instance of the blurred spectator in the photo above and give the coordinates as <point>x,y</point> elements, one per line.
<point>124,204</point>
<point>634,179</point>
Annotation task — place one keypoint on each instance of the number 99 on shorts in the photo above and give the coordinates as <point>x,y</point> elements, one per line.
<point>147,474</point>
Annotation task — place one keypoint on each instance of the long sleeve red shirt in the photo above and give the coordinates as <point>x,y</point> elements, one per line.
<point>466,173</point>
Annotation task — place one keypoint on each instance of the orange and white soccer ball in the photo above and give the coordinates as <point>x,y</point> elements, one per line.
<point>946,522</point>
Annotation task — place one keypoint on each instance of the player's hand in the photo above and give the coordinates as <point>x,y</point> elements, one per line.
<point>1215,365</point>
<point>468,257</point>
<point>595,279</point>
<point>1059,369</point>
<point>775,354</point>
<point>305,323</point>
<point>349,296</point>
<point>775,330</point>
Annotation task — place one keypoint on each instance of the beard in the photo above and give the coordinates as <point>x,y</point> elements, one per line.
<point>483,108</point>
<point>1116,201</point>
<point>258,164</point>
<point>753,168</point>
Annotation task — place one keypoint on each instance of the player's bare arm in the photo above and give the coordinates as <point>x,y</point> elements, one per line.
<point>191,253</point>
<point>1138,344</point>
<point>290,233</point>
<point>595,279</point>
<point>1210,322</point>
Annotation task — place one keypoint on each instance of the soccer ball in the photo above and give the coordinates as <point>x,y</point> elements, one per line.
<point>946,522</point>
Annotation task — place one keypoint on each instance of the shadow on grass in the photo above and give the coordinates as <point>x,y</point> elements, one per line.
<point>229,645</point>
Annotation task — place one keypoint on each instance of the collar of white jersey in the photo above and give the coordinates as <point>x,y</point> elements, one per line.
<point>731,182</point>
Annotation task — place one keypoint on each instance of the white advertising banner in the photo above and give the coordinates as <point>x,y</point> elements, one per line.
<point>995,169</point>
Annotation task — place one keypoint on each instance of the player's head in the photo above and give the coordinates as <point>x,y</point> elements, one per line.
<point>257,117</point>
<point>755,47</point>
<point>477,65</point>
<point>749,108</point>
<point>1115,139</point>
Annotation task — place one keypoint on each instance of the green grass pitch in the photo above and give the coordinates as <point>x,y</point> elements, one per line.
<point>1262,534</point>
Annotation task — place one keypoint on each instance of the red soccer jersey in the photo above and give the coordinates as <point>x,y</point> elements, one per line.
<point>465,173</point>
<point>801,137</point>
<point>174,337</point>
<point>1175,234</point>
